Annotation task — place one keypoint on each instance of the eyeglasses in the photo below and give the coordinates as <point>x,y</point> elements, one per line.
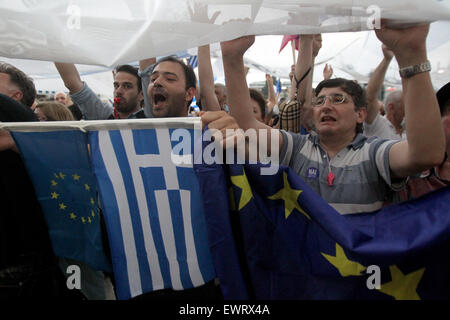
<point>335,98</point>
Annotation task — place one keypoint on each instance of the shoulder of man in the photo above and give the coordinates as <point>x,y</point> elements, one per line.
<point>13,111</point>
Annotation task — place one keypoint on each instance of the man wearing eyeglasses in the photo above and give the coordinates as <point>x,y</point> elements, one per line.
<point>351,172</point>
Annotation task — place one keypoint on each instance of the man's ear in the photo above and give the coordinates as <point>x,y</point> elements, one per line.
<point>17,95</point>
<point>361,115</point>
<point>190,94</point>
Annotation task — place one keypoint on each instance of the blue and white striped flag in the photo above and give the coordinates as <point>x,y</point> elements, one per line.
<point>193,61</point>
<point>153,209</point>
<point>148,190</point>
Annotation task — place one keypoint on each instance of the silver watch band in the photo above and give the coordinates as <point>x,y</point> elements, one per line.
<point>410,71</point>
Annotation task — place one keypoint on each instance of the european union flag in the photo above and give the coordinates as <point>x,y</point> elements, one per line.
<point>295,246</point>
<point>59,167</point>
<point>153,209</point>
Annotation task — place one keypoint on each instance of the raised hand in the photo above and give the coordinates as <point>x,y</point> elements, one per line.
<point>237,47</point>
<point>408,44</point>
<point>199,13</point>
<point>327,72</point>
<point>317,44</point>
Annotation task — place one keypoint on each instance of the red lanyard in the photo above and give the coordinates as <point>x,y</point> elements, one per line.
<point>331,175</point>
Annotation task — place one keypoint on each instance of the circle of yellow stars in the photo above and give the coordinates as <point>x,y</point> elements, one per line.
<point>59,178</point>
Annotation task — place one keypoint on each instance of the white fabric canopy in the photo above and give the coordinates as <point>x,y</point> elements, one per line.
<point>107,33</point>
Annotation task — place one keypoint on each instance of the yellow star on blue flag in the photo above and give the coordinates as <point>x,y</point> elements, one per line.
<point>403,287</point>
<point>246,194</point>
<point>345,266</point>
<point>290,198</point>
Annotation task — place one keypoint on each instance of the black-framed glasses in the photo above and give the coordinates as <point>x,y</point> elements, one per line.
<point>335,98</point>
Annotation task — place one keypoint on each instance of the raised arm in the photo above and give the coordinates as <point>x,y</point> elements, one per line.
<point>144,72</point>
<point>89,103</point>
<point>236,83</point>
<point>425,144</point>
<point>304,63</point>
<point>237,89</point>
<point>272,96</point>
<point>375,84</point>
<point>206,80</point>
<point>316,46</point>
<point>69,74</point>
<point>145,63</point>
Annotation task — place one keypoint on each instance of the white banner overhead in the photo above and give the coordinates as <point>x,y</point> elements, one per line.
<point>106,33</point>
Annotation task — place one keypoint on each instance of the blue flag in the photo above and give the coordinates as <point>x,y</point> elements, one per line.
<point>278,90</point>
<point>59,167</point>
<point>193,61</point>
<point>153,209</point>
<point>295,246</point>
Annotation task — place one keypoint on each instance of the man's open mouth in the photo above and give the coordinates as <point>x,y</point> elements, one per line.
<point>327,119</point>
<point>159,99</point>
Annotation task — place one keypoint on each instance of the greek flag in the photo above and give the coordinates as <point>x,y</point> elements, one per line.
<point>193,61</point>
<point>153,209</point>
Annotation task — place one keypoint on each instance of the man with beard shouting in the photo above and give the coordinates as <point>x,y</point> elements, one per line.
<point>128,94</point>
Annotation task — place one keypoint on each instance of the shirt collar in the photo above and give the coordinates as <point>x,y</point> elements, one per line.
<point>356,144</point>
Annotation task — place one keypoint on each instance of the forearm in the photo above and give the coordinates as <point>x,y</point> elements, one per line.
<point>238,93</point>
<point>145,71</point>
<point>425,135</point>
<point>272,96</point>
<point>308,86</point>
<point>144,64</point>
<point>373,88</point>
<point>69,74</point>
<point>304,62</point>
<point>424,130</point>
<point>206,80</point>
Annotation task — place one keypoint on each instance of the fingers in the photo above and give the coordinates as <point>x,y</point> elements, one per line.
<point>222,127</point>
<point>214,17</point>
<point>217,120</point>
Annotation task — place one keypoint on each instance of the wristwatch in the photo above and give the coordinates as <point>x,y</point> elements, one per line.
<point>410,71</point>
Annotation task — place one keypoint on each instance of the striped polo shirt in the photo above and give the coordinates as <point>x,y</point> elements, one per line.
<point>362,180</point>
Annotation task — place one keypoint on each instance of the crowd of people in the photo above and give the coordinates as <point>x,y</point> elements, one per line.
<point>368,153</point>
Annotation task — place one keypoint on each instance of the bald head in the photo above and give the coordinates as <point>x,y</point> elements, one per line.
<point>395,107</point>
<point>221,93</point>
<point>394,97</point>
<point>61,98</point>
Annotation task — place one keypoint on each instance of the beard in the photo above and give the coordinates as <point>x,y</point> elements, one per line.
<point>127,106</point>
<point>174,106</point>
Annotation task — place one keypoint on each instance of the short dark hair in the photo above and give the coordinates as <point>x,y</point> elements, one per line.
<point>131,70</point>
<point>443,95</point>
<point>24,82</point>
<point>357,93</point>
<point>259,98</point>
<point>189,74</point>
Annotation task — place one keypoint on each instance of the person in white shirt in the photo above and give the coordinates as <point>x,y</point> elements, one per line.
<point>391,126</point>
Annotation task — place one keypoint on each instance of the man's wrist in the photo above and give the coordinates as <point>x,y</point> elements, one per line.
<point>410,58</point>
<point>412,70</point>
